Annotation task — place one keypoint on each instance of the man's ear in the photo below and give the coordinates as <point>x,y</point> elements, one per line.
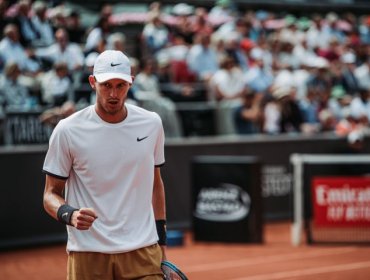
<point>92,81</point>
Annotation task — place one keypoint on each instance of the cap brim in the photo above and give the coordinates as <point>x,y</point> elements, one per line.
<point>101,78</point>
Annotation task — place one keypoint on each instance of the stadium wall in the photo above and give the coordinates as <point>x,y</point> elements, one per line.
<point>23,181</point>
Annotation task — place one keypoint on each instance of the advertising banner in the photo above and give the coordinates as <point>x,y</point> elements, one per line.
<point>341,201</point>
<point>227,199</point>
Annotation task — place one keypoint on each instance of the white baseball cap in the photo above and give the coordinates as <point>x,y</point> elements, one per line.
<point>112,64</point>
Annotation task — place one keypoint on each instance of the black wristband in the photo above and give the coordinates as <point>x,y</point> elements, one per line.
<point>161,231</point>
<point>64,214</point>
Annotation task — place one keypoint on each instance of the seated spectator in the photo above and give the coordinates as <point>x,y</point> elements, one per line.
<point>360,106</point>
<point>222,9</point>
<point>257,77</point>
<point>117,41</point>
<point>100,32</point>
<point>81,85</point>
<point>56,86</point>
<point>183,27</point>
<point>362,74</point>
<point>347,124</point>
<point>42,25</point>
<point>248,116</point>
<point>202,58</point>
<point>155,34</point>
<point>309,108</point>
<point>76,32</point>
<point>339,102</point>
<point>227,86</point>
<point>12,51</point>
<point>347,76</point>
<point>63,50</point>
<point>13,94</point>
<point>227,82</point>
<point>147,93</point>
<point>27,30</point>
<point>178,85</point>
<point>288,116</point>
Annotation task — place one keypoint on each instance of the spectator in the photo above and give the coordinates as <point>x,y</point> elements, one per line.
<point>362,74</point>
<point>76,32</point>
<point>288,117</point>
<point>227,83</point>
<point>202,58</point>
<point>63,51</point>
<point>147,93</point>
<point>117,41</point>
<point>27,30</point>
<point>56,86</point>
<point>227,87</point>
<point>309,108</point>
<point>339,102</point>
<point>155,34</point>
<point>248,116</point>
<point>257,77</point>
<point>222,9</point>
<point>13,94</point>
<point>184,26</point>
<point>347,78</point>
<point>12,51</point>
<point>360,106</point>
<point>100,32</point>
<point>42,25</point>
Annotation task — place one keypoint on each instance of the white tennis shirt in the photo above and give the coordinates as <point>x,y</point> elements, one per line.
<point>109,167</point>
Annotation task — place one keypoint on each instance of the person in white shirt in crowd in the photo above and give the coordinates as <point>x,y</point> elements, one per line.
<point>316,36</point>
<point>42,25</point>
<point>56,85</point>
<point>12,51</point>
<point>101,31</point>
<point>116,41</point>
<point>63,50</point>
<point>222,9</point>
<point>227,87</point>
<point>155,34</point>
<point>362,73</point>
<point>360,106</point>
<point>147,92</point>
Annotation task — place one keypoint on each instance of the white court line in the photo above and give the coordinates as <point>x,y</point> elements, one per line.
<point>307,271</point>
<point>265,259</point>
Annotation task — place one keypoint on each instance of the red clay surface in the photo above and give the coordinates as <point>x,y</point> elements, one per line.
<point>276,258</point>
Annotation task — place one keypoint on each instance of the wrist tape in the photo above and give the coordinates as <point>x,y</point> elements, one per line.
<point>64,214</point>
<point>161,231</point>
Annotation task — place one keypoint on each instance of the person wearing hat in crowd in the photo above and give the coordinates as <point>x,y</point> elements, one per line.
<point>103,181</point>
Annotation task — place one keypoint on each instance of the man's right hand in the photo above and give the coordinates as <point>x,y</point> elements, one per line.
<point>83,219</point>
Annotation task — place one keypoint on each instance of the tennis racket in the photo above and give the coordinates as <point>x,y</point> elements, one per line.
<point>172,272</point>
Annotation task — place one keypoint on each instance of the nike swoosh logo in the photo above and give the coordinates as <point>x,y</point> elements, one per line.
<point>115,64</point>
<point>141,139</point>
<point>65,214</point>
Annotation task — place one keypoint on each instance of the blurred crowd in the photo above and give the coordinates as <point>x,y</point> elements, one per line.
<point>261,71</point>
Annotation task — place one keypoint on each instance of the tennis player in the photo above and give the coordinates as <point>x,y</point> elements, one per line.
<point>103,181</point>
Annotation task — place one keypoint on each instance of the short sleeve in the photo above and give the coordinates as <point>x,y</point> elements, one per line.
<point>159,146</point>
<point>58,160</point>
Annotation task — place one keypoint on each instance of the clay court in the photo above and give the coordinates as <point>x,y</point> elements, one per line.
<point>276,258</point>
